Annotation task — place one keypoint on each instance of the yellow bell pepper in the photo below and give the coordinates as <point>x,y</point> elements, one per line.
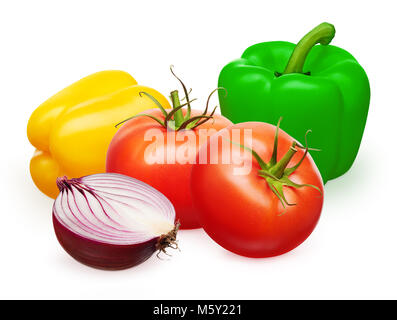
<point>72,130</point>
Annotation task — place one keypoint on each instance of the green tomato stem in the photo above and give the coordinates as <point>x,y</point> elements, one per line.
<point>276,173</point>
<point>323,34</point>
<point>178,116</point>
<point>278,169</point>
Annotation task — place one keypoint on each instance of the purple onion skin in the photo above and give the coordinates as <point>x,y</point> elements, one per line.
<point>103,255</point>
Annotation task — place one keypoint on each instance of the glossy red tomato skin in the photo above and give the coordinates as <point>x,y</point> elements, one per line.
<point>240,212</point>
<point>126,155</point>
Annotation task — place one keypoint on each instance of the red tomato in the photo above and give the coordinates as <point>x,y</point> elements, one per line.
<point>131,155</point>
<point>241,212</point>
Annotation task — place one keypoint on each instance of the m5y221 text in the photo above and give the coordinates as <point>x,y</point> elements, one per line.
<point>200,309</point>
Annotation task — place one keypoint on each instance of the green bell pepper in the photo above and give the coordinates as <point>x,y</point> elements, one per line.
<point>321,88</point>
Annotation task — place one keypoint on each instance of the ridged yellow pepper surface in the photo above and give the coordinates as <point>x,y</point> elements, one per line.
<point>72,130</point>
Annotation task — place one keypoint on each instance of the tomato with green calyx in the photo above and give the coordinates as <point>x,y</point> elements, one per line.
<point>267,210</point>
<point>160,147</point>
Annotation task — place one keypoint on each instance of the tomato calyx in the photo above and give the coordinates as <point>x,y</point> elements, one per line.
<point>175,120</point>
<point>276,173</point>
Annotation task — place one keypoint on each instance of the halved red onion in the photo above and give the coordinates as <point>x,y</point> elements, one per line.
<point>111,221</point>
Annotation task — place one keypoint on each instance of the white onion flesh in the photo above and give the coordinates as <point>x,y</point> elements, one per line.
<point>114,209</point>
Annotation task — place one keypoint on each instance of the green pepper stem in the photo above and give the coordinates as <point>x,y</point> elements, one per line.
<point>323,34</point>
<point>178,116</point>
<point>278,169</point>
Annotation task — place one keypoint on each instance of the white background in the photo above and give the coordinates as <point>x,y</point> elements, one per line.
<point>46,45</point>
